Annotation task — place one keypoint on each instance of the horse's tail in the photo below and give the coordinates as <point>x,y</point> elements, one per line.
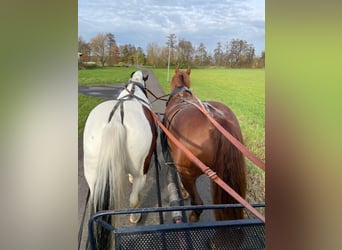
<point>231,168</point>
<point>110,176</point>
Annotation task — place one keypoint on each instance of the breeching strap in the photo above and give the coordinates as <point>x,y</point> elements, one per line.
<point>231,138</point>
<point>208,171</point>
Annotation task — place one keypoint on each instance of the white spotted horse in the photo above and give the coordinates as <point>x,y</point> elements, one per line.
<point>119,139</point>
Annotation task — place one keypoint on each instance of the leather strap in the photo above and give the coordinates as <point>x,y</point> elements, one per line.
<point>229,136</point>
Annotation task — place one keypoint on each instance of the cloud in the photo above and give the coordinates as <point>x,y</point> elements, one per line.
<point>146,21</point>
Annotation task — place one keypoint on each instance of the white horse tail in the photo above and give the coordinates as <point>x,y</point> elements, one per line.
<point>110,176</point>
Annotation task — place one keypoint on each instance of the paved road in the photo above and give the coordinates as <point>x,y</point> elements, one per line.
<point>150,194</point>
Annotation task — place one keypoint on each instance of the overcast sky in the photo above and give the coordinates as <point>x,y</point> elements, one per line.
<point>140,22</point>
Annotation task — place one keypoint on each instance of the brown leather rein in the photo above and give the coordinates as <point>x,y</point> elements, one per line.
<point>157,98</point>
<point>228,135</point>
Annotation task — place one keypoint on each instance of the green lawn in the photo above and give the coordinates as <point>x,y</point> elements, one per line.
<point>113,75</point>
<point>107,75</point>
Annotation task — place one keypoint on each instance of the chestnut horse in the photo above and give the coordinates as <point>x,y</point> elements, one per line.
<point>193,129</point>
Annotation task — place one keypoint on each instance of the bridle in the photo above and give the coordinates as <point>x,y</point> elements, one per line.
<point>178,90</point>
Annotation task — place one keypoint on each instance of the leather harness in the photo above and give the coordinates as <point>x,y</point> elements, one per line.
<point>127,97</point>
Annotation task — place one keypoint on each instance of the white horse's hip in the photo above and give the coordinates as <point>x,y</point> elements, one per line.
<point>92,137</point>
<point>139,137</point>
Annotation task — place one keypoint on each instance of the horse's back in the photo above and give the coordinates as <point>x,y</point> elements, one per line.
<point>198,134</point>
<point>195,132</point>
<point>227,119</point>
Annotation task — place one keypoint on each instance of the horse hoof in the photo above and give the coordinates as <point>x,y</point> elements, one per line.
<point>193,217</point>
<point>130,178</point>
<point>185,194</point>
<point>135,218</point>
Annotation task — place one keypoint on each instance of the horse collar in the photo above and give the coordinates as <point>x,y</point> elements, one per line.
<point>178,90</point>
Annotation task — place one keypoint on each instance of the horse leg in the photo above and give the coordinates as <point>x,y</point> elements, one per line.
<point>190,186</point>
<point>185,193</point>
<point>134,199</point>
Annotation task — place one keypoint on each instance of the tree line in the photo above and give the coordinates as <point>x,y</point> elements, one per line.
<point>104,50</point>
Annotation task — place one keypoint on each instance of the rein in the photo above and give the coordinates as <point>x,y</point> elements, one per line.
<point>82,221</point>
<point>228,135</point>
<point>157,98</point>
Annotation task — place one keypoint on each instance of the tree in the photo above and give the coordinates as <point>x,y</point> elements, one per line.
<point>112,49</point>
<point>152,54</point>
<point>129,54</point>
<point>98,47</point>
<point>248,55</point>
<point>241,54</point>
<point>218,54</point>
<point>171,44</point>
<point>84,48</point>
<point>201,55</point>
<point>140,56</point>
<point>236,53</point>
<point>260,61</point>
<point>124,53</point>
<point>185,53</point>
<point>156,55</point>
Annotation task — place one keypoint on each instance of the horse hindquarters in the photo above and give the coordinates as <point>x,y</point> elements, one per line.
<point>110,174</point>
<point>230,167</point>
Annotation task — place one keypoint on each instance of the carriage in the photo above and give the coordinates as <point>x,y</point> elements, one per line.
<point>239,225</point>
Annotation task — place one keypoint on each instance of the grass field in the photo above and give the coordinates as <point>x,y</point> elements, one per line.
<point>97,76</point>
